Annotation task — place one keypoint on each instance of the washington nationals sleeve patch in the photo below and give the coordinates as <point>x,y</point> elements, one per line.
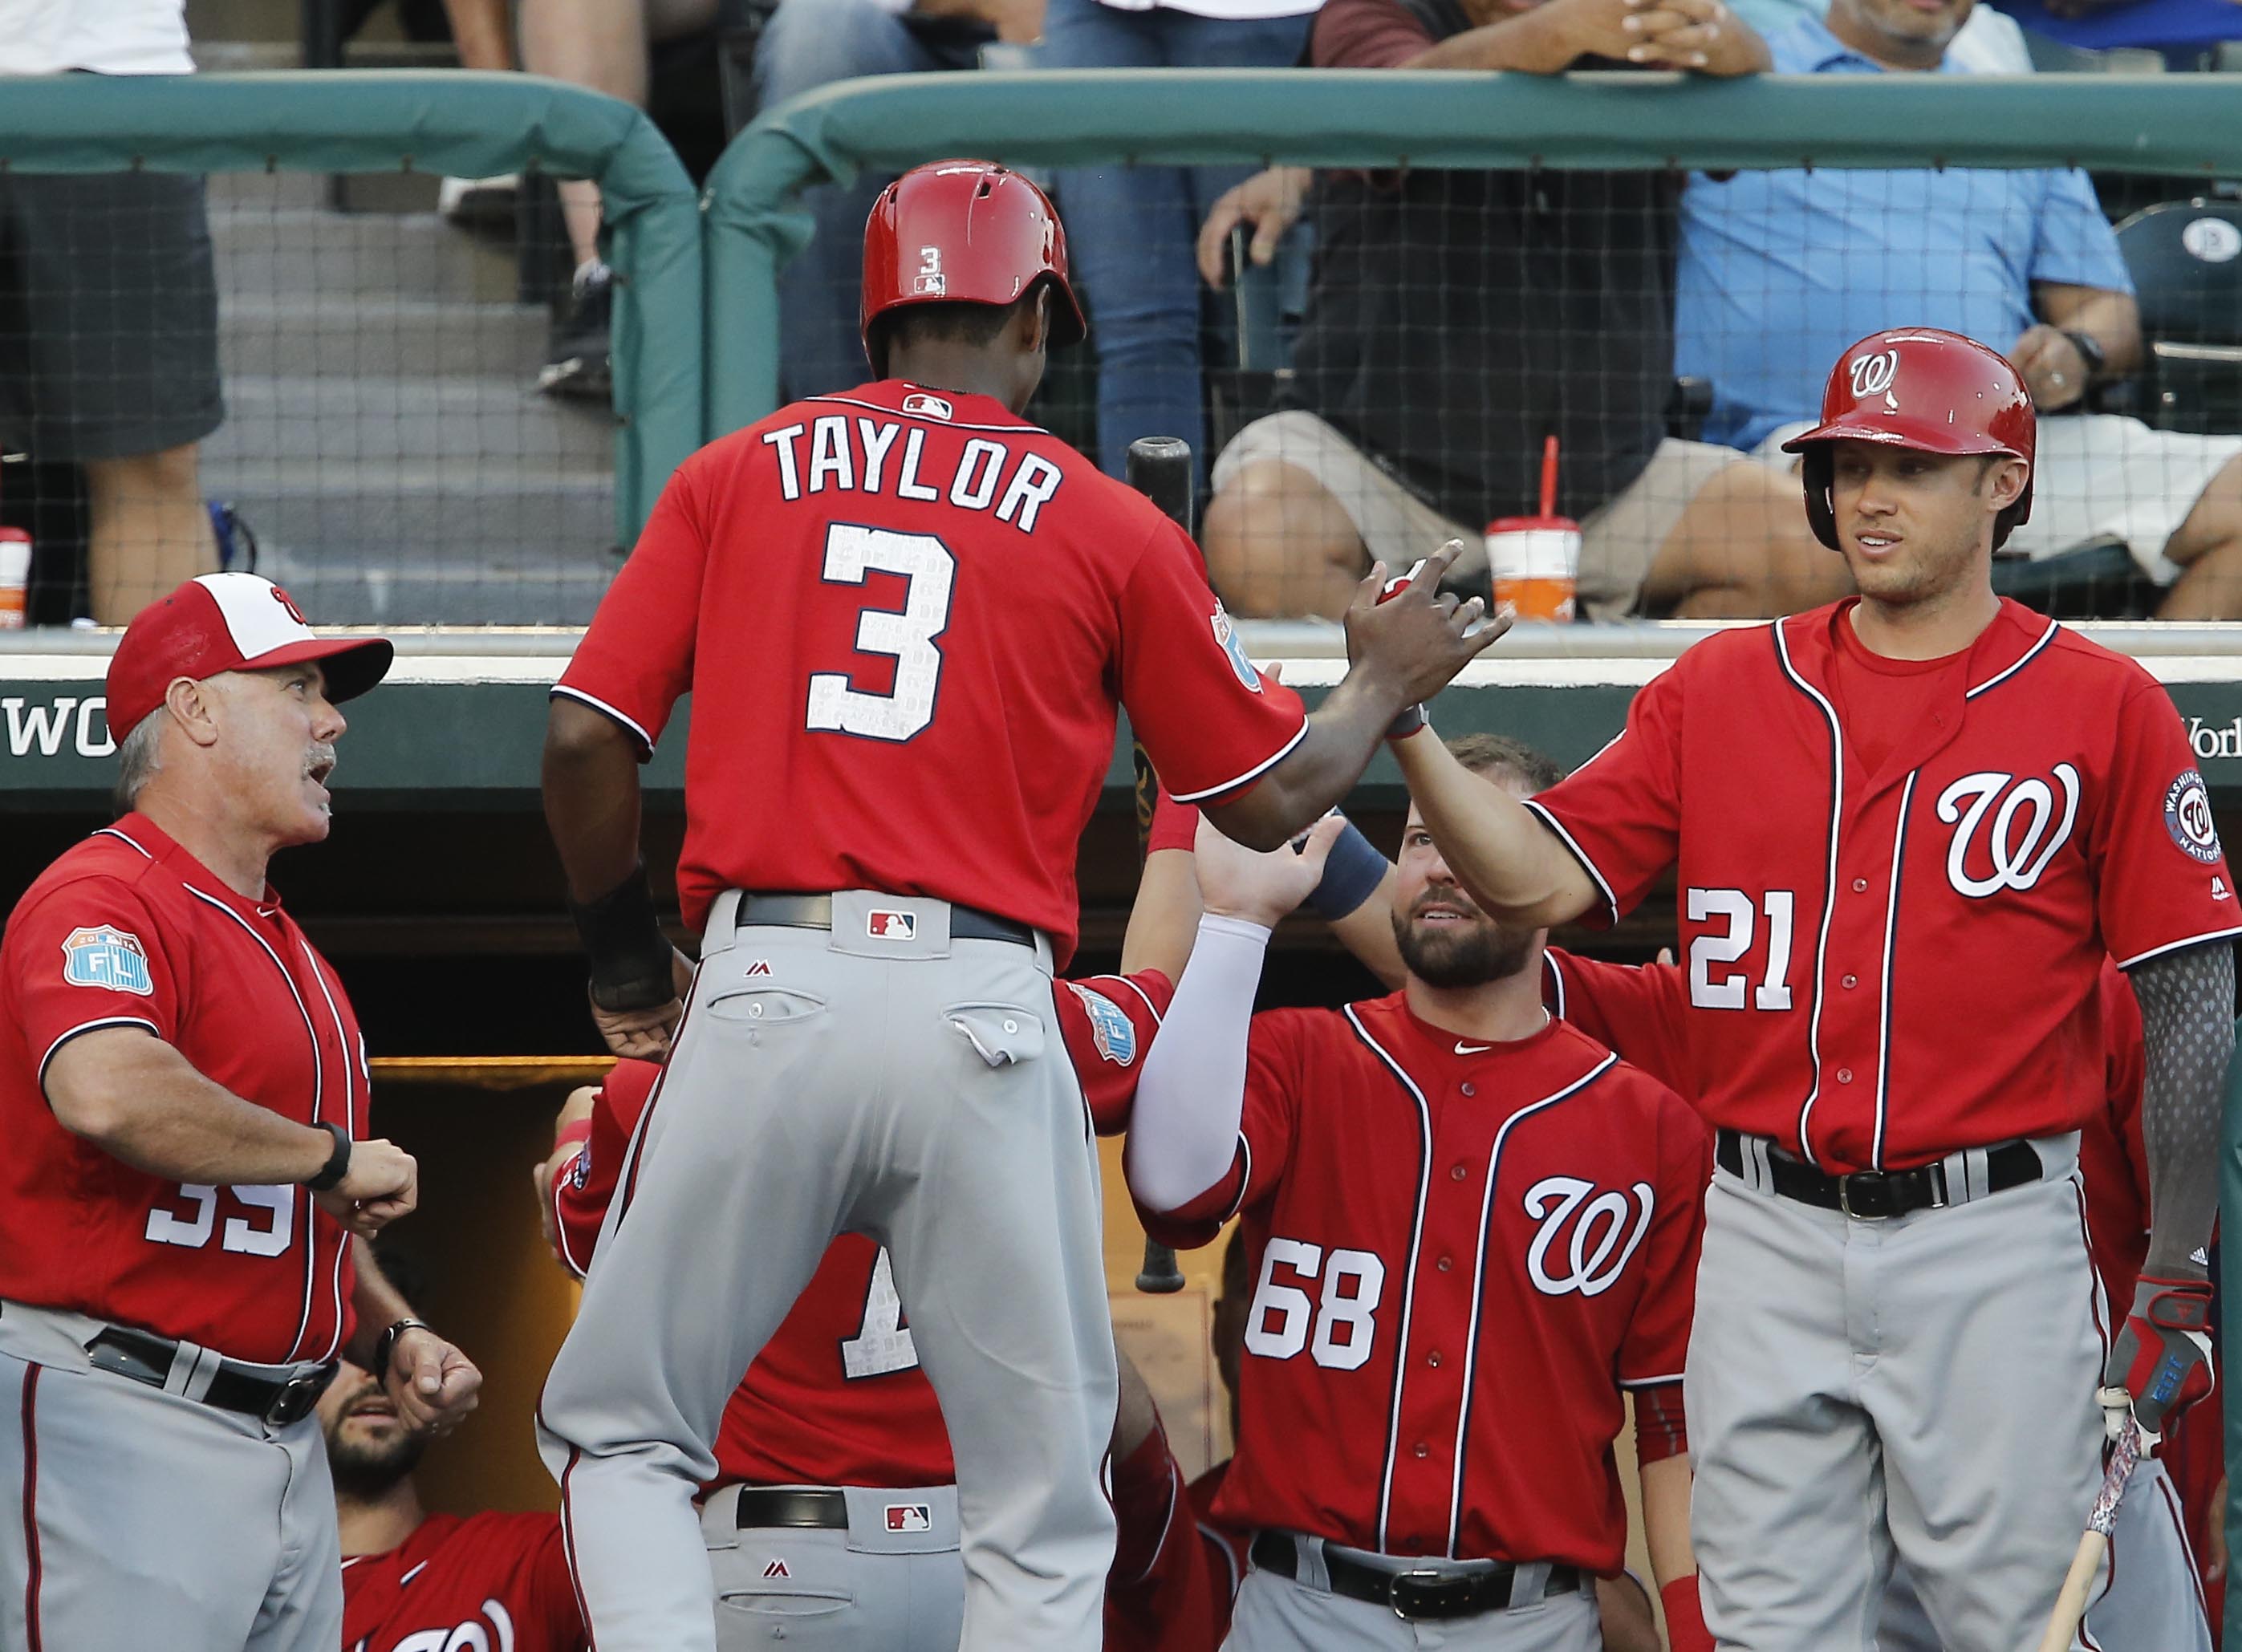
<point>112,960</point>
<point>2187,818</point>
<point>1226,639</point>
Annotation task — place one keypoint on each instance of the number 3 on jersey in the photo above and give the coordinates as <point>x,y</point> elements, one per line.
<point>882,1342</point>
<point>852,552</point>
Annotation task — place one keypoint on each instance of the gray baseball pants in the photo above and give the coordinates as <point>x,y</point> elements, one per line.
<point>1275,1613</point>
<point>855,1080</point>
<point>867,1589</point>
<point>1920,1388</point>
<point>132,1517</point>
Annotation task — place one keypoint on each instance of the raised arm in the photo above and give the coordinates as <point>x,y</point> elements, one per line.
<point>1506,860</point>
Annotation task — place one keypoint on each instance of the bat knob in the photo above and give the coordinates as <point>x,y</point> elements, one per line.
<point>1160,1283</point>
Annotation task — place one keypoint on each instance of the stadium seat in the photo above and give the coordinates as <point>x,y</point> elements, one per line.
<point>2185,259</point>
<point>1266,302</point>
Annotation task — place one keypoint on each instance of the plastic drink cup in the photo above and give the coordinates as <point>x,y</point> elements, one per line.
<point>1533,562</point>
<point>14,577</point>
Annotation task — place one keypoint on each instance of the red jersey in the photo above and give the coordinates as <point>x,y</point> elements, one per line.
<point>911,617</point>
<point>498,1582</point>
<point>837,1397</point>
<point>1161,1594</point>
<point>1851,938</point>
<point>128,929</point>
<point>1226,1546</point>
<point>1446,1234</point>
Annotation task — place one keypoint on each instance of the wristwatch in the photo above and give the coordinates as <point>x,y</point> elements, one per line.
<point>337,1165</point>
<point>2090,350</point>
<point>387,1343</point>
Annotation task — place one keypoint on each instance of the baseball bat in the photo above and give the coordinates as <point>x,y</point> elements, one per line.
<point>2086,1564</point>
<point>1159,468</point>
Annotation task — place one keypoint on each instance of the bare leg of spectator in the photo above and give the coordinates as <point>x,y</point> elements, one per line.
<point>1742,551</point>
<point>1277,543</point>
<point>480,30</point>
<point>151,530</point>
<point>2208,548</point>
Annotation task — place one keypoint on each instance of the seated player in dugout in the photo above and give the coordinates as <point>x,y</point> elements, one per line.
<point>1457,318</point>
<point>1781,269</point>
<point>414,1581</point>
<point>831,1521</point>
<point>1410,1170</point>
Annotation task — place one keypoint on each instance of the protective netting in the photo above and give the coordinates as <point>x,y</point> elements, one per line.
<point>324,379</point>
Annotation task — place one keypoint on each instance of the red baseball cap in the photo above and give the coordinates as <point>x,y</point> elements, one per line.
<point>219,623</point>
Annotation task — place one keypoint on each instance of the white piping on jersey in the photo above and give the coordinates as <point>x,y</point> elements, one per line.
<point>90,1026</point>
<point>561,690</point>
<point>1221,1543</point>
<point>1259,768</point>
<point>1830,884</point>
<point>1603,887</point>
<point>343,1038</point>
<point>1883,1009</point>
<point>1023,428</point>
<point>1409,1280</point>
<point>1557,979</point>
<point>1245,1179</point>
<point>414,1573</point>
<point>318,1090</point>
<point>1648,1382</point>
<point>111,831</point>
<point>1167,1522</point>
<point>2175,946</point>
<point>560,1227</point>
<point>1479,1284</point>
<point>1150,1009</point>
<point>2025,659</point>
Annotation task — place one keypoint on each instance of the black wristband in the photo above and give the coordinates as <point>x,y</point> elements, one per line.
<point>630,956</point>
<point>338,1166</point>
<point>387,1343</point>
<point>2089,351</point>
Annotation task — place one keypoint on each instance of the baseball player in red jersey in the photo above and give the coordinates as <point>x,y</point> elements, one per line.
<point>1877,809</point>
<point>181,1085</point>
<point>1474,1226</point>
<point>2156,1595</point>
<point>908,617</point>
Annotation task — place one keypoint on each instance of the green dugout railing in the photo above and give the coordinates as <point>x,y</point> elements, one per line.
<point>447,122</point>
<point>2189,126</point>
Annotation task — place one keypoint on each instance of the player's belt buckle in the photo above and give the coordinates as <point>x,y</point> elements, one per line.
<point>1426,1594</point>
<point>296,1396</point>
<point>1869,1181</point>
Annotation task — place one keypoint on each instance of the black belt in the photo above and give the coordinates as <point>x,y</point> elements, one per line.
<point>1876,1194</point>
<point>278,1400</point>
<point>804,1507</point>
<point>815,912</point>
<point>1424,1593</point>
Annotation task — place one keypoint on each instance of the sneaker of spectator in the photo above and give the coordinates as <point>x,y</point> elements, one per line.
<point>481,30</point>
<point>808,44</point>
<point>602,44</point>
<point>110,278</point>
<point>1777,266</point>
<point>1130,228</point>
<point>478,203</point>
<point>1457,320</point>
<point>577,361</point>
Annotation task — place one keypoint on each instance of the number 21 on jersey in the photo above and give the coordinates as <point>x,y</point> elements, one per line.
<point>1713,987</point>
<point>906,636</point>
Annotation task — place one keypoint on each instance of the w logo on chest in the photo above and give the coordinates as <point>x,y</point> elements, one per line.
<point>1593,1238</point>
<point>2006,830</point>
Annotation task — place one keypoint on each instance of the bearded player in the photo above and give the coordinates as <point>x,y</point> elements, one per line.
<point>1476,1229</point>
<point>1875,810</point>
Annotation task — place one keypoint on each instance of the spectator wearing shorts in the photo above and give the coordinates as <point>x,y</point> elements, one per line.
<point>1130,228</point>
<point>1456,319</point>
<point>808,44</point>
<point>1780,271</point>
<point>109,316</point>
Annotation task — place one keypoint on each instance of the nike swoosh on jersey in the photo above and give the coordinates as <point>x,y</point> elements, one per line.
<point>1472,1049</point>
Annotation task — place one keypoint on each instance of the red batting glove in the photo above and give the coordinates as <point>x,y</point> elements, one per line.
<point>1685,1616</point>
<point>2160,1363</point>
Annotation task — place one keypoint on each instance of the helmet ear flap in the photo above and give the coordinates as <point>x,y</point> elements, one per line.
<point>1817,470</point>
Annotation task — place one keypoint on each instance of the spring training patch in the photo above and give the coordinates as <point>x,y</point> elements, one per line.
<point>1226,637</point>
<point>111,959</point>
<point>2187,818</point>
<point>1111,1030</point>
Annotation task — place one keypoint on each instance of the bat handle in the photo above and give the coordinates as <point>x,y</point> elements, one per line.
<point>1160,1275</point>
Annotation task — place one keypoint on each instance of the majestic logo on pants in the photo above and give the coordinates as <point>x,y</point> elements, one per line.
<point>1599,1233</point>
<point>2021,835</point>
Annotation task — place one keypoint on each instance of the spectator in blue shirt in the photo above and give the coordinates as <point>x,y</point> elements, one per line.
<point>1780,271</point>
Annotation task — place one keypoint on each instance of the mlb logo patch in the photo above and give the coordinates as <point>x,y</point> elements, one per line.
<point>1226,639</point>
<point>931,407</point>
<point>111,959</point>
<point>1111,1030</point>
<point>891,926</point>
<point>910,1517</point>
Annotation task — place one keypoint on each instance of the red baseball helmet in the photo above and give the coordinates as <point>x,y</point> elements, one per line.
<point>1925,388</point>
<point>963,232</point>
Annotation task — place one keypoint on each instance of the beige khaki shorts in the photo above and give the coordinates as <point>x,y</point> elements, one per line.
<point>1618,541</point>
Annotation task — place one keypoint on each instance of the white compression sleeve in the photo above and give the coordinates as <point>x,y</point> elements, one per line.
<point>1183,1132</point>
